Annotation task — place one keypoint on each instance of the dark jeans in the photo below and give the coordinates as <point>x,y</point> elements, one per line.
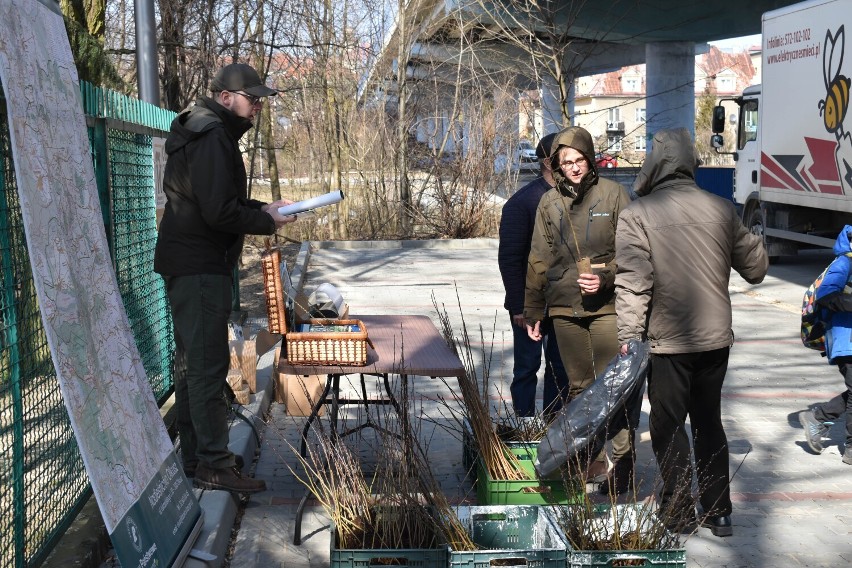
<point>834,408</point>
<point>201,307</point>
<point>527,353</point>
<point>690,384</point>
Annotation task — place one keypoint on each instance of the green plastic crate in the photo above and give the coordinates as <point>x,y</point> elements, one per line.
<point>613,558</point>
<point>531,491</point>
<point>660,558</point>
<point>382,557</point>
<point>409,558</point>
<point>517,535</point>
<point>470,451</point>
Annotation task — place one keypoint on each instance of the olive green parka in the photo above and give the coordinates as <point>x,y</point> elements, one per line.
<point>573,222</point>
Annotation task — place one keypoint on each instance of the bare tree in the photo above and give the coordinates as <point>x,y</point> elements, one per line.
<point>535,36</point>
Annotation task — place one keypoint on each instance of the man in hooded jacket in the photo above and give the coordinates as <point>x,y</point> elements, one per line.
<point>576,220</point>
<point>675,247</point>
<point>200,239</point>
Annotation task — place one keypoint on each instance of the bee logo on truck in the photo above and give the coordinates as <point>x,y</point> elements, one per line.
<point>833,108</point>
<point>835,105</point>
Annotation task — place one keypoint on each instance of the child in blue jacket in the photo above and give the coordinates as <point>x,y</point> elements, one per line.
<point>835,295</point>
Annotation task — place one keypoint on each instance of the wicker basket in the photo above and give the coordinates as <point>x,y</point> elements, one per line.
<point>273,289</point>
<point>328,348</point>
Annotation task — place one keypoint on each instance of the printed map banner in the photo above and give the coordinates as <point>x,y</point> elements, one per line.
<point>146,502</point>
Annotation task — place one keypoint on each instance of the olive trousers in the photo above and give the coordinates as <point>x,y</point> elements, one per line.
<point>587,345</point>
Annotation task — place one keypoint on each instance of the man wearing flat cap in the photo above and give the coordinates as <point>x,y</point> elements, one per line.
<point>207,215</point>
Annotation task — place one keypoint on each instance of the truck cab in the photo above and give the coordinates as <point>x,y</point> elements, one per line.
<point>747,155</point>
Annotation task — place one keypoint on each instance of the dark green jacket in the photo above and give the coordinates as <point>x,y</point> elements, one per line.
<point>573,222</point>
<point>207,210</point>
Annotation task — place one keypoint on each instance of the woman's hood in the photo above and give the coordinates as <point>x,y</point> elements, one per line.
<point>578,138</point>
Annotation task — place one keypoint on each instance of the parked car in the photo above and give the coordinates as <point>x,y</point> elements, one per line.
<point>605,160</point>
<point>525,157</point>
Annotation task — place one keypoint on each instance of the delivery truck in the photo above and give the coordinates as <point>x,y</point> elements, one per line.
<point>793,147</point>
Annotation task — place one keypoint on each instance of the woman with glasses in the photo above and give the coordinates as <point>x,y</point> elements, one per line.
<point>571,278</point>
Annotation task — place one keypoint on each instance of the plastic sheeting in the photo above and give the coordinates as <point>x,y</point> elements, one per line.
<point>610,404</point>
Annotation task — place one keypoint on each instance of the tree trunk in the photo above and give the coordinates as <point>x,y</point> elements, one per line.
<point>405,213</point>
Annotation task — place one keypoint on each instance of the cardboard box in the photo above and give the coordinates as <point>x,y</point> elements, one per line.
<point>245,352</point>
<point>298,392</point>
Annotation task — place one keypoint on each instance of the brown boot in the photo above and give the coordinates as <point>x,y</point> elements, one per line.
<point>621,479</point>
<point>189,468</point>
<point>227,479</point>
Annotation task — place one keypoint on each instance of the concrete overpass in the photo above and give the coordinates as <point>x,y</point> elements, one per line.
<point>546,45</point>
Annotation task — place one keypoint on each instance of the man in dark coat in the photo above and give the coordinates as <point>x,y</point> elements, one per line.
<point>200,239</point>
<point>516,229</point>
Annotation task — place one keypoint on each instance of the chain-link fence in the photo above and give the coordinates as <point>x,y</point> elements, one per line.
<point>43,483</point>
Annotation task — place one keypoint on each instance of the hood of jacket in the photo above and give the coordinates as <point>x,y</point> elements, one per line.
<point>578,138</point>
<point>841,245</point>
<point>205,114</point>
<point>672,158</point>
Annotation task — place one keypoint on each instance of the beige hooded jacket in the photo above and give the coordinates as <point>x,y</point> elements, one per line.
<point>675,248</point>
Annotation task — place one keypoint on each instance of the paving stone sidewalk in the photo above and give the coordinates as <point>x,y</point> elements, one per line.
<point>791,508</point>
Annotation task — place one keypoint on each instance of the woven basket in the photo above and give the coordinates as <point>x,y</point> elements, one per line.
<point>270,262</point>
<point>328,348</point>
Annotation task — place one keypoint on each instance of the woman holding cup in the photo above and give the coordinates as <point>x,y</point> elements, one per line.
<point>571,279</point>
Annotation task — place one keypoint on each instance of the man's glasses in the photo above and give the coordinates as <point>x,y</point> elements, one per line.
<point>569,165</point>
<point>254,100</point>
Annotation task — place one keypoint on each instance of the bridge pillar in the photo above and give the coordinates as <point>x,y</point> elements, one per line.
<point>551,107</point>
<point>670,87</point>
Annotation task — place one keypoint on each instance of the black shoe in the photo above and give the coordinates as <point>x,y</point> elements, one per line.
<point>721,525</point>
<point>682,526</point>
<point>189,468</point>
<point>227,479</point>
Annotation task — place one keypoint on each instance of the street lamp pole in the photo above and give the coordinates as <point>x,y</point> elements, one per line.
<point>146,52</point>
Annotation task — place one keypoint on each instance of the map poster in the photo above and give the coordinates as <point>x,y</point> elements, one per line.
<point>146,502</point>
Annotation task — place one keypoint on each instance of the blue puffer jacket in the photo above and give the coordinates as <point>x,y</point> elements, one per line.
<point>835,294</point>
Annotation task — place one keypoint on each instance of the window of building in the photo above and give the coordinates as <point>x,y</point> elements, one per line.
<point>640,145</point>
<point>614,114</point>
<point>640,114</point>
<point>614,143</point>
<point>725,84</point>
<point>630,84</point>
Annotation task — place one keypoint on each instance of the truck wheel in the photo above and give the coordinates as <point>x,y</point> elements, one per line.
<point>755,227</point>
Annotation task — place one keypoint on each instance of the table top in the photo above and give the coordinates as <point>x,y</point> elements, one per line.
<point>404,345</point>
